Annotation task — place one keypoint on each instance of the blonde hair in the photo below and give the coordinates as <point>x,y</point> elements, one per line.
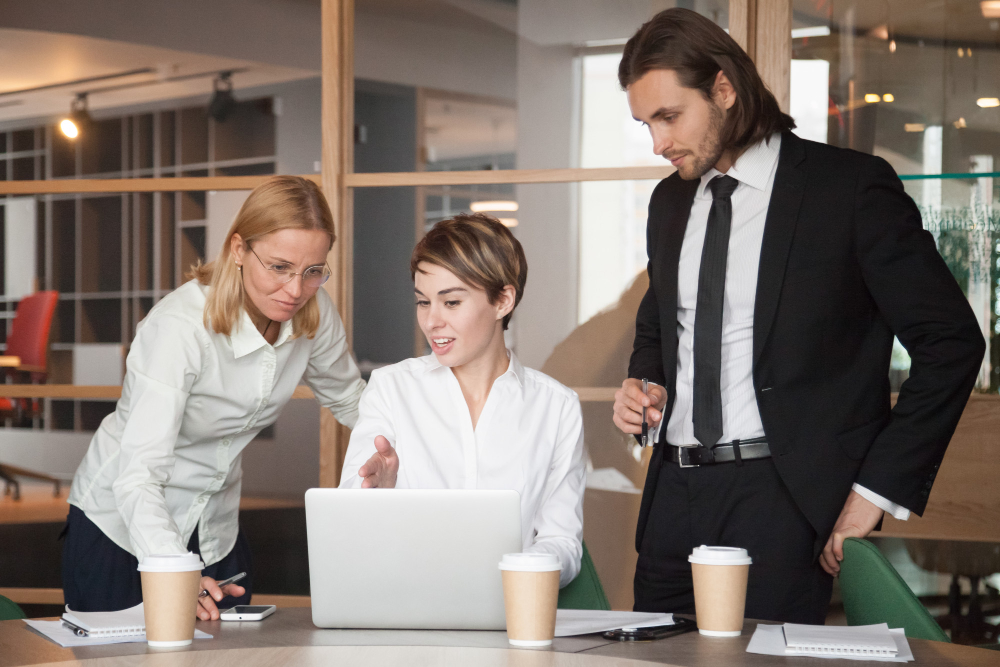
<point>480,251</point>
<point>281,202</point>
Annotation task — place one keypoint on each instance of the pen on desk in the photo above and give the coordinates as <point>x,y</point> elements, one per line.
<point>225,582</point>
<point>645,424</point>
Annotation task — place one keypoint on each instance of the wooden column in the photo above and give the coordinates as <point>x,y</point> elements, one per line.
<point>764,29</point>
<point>338,159</point>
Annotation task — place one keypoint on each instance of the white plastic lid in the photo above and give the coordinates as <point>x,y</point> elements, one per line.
<point>704,555</point>
<point>171,563</point>
<point>529,562</point>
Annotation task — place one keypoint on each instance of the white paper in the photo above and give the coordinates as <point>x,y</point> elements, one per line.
<point>610,479</point>
<point>66,638</point>
<point>570,622</point>
<point>770,640</point>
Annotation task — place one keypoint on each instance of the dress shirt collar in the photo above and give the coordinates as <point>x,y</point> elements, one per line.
<point>753,168</point>
<point>246,339</point>
<point>515,368</point>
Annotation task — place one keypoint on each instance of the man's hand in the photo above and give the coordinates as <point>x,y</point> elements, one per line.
<point>858,518</point>
<point>629,401</point>
<point>380,470</point>
<point>207,611</point>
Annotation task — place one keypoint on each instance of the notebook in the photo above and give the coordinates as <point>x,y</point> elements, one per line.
<point>855,641</point>
<point>122,623</point>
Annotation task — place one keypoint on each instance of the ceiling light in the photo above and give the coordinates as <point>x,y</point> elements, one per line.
<point>990,8</point>
<point>959,124</point>
<point>888,97</point>
<point>961,52</point>
<point>892,46</point>
<point>914,127</point>
<point>78,118</point>
<point>871,98</point>
<point>509,222</point>
<point>222,102</point>
<point>486,206</point>
<point>988,102</point>
<point>880,32</point>
<point>811,31</point>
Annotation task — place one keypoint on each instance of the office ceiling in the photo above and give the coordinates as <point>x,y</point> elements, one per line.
<point>31,59</point>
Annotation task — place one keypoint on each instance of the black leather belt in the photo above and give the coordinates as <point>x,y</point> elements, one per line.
<point>736,452</point>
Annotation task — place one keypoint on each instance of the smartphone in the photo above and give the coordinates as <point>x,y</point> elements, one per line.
<point>678,627</point>
<point>248,612</point>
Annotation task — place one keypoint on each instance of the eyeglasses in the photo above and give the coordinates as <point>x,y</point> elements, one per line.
<point>314,276</point>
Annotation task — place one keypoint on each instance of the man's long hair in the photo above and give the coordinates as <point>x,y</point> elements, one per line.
<point>697,49</point>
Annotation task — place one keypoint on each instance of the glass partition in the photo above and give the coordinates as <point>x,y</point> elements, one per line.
<point>496,85</point>
<point>913,81</point>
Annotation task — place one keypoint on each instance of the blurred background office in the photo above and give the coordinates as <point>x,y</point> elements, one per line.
<point>388,109</point>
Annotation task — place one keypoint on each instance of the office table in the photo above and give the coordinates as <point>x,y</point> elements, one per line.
<point>289,638</point>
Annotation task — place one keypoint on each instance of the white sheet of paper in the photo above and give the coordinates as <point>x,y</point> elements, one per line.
<point>66,638</point>
<point>770,640</point>
<point>570,622</point>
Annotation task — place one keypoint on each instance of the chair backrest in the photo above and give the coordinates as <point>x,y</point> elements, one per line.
<point>584,592</point>
<point>9,611</point>
<point>29,336</point>
<point>873,592</point>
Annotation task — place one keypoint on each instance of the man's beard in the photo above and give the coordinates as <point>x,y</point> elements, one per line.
<point>709,150</point>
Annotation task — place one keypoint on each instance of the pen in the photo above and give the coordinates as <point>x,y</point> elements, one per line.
<point>77,630</point>
<point>645,424</point>
<point>225,582</point>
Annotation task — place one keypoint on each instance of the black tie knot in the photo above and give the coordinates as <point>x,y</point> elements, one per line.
<point>723,186</point>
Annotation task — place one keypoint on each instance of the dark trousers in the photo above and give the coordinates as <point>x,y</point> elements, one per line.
<point>744,506</point>
<point>98,575</point>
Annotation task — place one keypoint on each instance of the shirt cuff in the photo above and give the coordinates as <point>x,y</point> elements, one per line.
<point>654,431</point>
<point>897,512</point>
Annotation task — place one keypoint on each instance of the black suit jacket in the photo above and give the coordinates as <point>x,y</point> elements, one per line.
<point>845,264</point>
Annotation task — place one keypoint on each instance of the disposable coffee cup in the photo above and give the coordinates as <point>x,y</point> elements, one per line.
<point>720,589</point>
<point>170,587</point>
<point>530,594</point>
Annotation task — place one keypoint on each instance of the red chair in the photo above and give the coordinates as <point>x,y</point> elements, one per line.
<point>26,361</point>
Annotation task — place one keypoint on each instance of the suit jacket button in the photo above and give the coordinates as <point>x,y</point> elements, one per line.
<point>928,485</point>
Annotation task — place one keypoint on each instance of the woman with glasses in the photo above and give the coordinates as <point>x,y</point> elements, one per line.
<point>212,364</point>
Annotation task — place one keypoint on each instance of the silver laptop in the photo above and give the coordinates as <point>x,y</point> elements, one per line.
<point>407,558</point>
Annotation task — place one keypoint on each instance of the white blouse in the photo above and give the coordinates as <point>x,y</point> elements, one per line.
<point>168,459</point>
<point>529,438</point>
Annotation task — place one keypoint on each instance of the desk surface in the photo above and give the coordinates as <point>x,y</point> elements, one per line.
<point>289,637</point>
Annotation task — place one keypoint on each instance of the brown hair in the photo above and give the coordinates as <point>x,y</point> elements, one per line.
<point>480,251</point>
<point>697,49</point>
<point>281,202</point>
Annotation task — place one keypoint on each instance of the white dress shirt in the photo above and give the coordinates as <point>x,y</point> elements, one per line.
<point>168,459</point>
<point>755,170</point>
<point>529,438</point>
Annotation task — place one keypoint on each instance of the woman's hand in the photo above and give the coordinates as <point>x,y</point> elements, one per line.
<point>207,611</point>
<point>380,470</point>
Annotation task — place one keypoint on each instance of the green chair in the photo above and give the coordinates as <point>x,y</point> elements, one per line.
<point>584,592</point>
<point>9,611</point>
<point>873,592</point>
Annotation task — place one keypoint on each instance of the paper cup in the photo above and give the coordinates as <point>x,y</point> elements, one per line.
<point>720,589</point>
<point>170,587</point>
<point>530,594</point>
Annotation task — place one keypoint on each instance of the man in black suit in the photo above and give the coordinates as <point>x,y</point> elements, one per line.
<point>779,269</point>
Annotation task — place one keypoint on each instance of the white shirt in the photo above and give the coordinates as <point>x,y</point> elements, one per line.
<point>168,459</point>
<point>755,170</point>
<point>529,438</point>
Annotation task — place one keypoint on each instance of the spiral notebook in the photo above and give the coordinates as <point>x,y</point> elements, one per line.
<point>837,642</point>
<point>122,623</point>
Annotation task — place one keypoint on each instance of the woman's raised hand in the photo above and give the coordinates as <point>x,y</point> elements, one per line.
<point>380,470</point>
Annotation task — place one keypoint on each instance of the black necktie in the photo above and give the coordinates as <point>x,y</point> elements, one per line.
<point>708,316</point>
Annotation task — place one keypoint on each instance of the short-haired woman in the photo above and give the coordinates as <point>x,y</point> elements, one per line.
<point>212,364</point>
<point>470,416</point>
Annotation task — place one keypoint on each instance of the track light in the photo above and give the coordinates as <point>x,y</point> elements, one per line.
<point>78,118</point>
<point>222,103</point>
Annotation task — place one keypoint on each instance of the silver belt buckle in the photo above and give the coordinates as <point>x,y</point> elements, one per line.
<point>681,456</point>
